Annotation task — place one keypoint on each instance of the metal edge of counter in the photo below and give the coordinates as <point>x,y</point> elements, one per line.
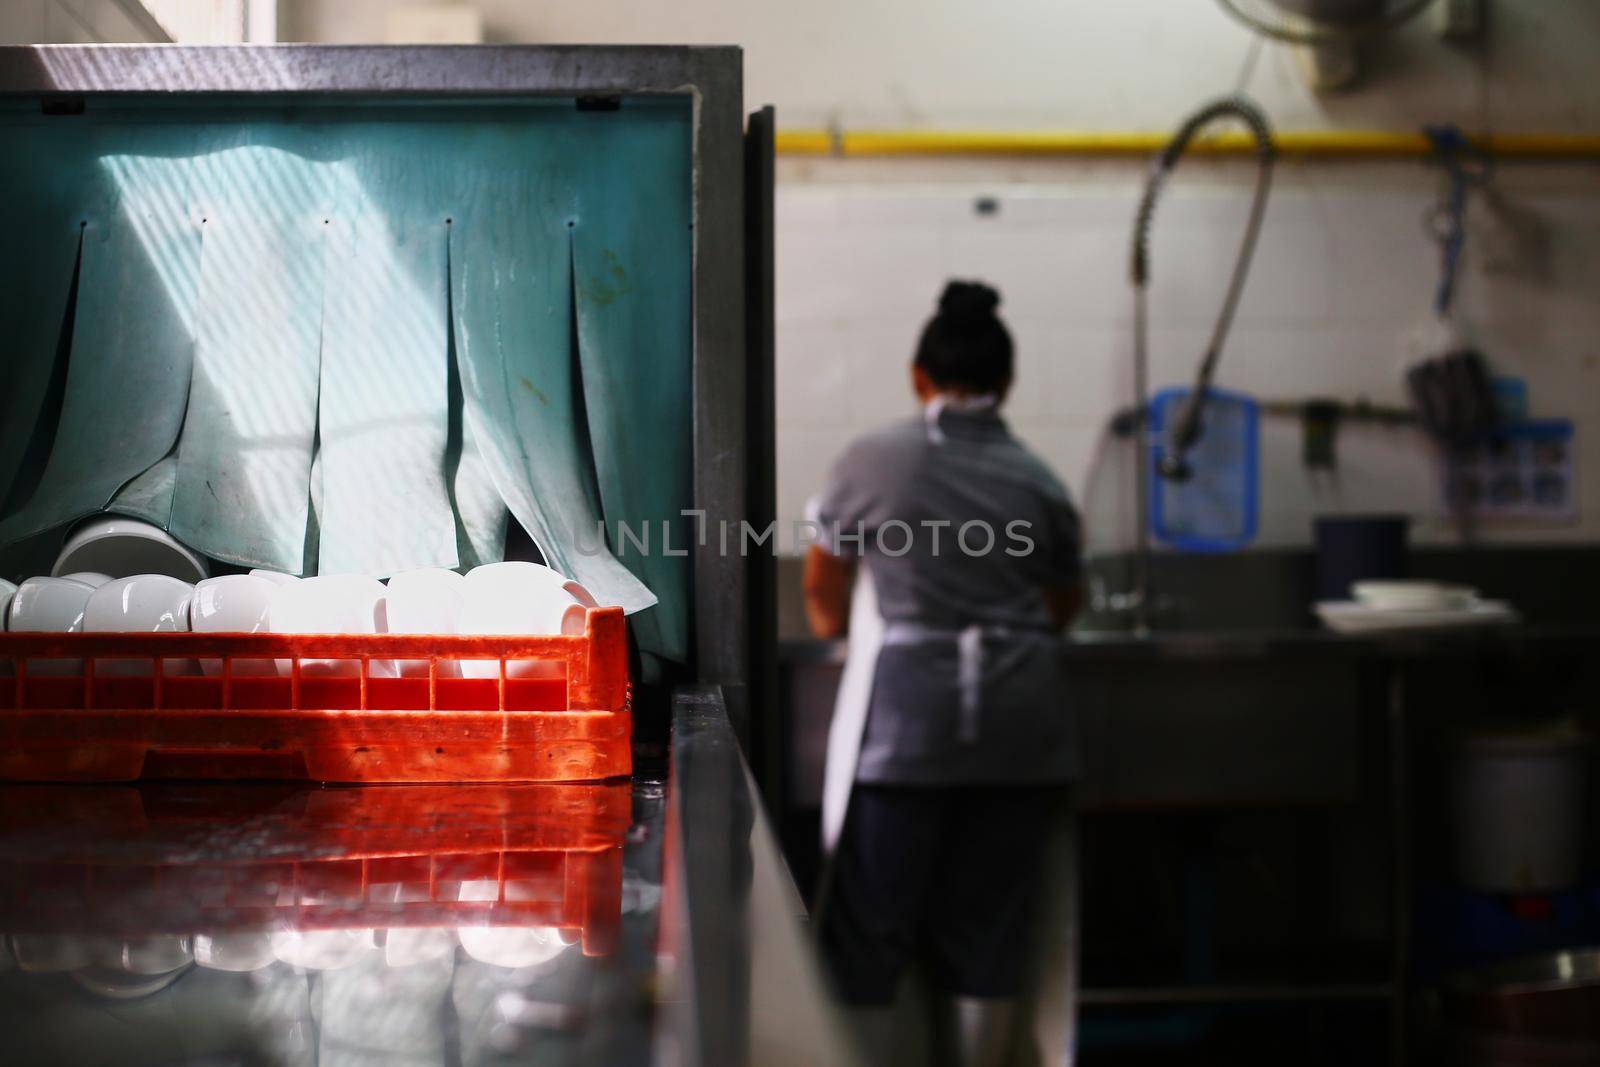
<point>316,68</point>
<point>734,922</point>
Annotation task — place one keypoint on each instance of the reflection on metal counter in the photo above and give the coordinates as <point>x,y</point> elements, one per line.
<point>283,923</point>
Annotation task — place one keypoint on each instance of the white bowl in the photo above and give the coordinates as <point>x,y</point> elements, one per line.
<point>111,984</point>
<point>49,605</point>
<point>144,603</point>
<point>275,577</point>
<point>7,589</point>
<point>424,601</point>
<point>1413,595</point>
<point>48,953</point>
<point>145,955</point>
<point>233,604</point>
<point>322,950</point>
<point>507,946</point>
<point>93,579</point>
<point>122,547</point>
<point>405,945</point>
<point>331,604</point>
<point>241,951</point>
<point>519,598</point>
<point>512,946</point>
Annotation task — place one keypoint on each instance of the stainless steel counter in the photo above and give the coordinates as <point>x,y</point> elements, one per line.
<point>1193,645</point>
<point>621,922</point>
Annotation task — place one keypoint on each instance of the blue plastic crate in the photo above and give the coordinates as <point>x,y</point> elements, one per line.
<point>1215,508</point>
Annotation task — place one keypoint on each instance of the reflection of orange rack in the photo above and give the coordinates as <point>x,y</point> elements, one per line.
<point>566,718</point>
<point>119,864</point>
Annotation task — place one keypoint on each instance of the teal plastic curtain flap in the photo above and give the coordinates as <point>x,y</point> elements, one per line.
<point>481,515</point>
<point>149,496</point>
<point>244,461</point>
<point>511,278</point>
<point>132,339</point>
<point>43,223</point>
<point>634,339</point>
<point>383,417</point>
<point>461,311</point>
<point>383,426</point>
<point>308,564</point>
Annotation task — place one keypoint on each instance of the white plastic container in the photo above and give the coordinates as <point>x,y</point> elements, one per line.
<point>1520,805</point>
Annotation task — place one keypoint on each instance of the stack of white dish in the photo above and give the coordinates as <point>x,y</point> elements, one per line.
<point>116,597</point>
<point>1409,605</point>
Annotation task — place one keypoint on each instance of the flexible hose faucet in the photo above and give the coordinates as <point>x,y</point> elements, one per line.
<point>1186,426</point>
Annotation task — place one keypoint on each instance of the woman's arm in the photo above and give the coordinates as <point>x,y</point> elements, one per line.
<point>827,591</point>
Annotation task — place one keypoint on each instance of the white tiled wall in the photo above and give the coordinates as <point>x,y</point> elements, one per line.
<point>1342,280</point>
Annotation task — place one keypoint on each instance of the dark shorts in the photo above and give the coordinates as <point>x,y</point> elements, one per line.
<point>947,875</point>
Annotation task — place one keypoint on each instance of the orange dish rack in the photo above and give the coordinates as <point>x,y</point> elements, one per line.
<point>558,708</point>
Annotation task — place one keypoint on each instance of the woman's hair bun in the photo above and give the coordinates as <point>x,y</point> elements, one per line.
<point>968,303</point>
<point>966,346</point>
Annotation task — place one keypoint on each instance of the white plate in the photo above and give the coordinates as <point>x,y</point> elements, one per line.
<point>1413,595</point>
<point>1347,616</point>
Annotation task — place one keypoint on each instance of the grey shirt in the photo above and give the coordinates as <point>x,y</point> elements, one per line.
<point>959,525</point>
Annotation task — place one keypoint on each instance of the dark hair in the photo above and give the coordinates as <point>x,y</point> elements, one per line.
<point>966,346</point>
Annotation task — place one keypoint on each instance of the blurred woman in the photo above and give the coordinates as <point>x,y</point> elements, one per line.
<point>949,746</point>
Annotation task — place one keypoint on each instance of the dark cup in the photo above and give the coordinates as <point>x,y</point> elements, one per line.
<point>1357,548</point>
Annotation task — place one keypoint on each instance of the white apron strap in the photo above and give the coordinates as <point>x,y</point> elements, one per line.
<point>850,708</point>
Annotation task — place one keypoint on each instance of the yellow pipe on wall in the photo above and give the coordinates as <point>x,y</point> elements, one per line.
<point>1325,143</point>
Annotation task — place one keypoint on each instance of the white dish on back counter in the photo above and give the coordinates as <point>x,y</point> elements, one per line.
<point>1348,616</point>
<point>1390,595</point>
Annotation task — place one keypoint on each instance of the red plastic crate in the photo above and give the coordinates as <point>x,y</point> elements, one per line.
<point>571,722</point>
